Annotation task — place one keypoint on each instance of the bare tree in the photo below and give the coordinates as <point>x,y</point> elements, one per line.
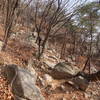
<point>2,5</point>
<point>53,16</point>
<point>11,6</point>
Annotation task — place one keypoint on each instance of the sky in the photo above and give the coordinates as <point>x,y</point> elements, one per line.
<point>71,3</point>
<point>84,0</point>
<point>79,3</point>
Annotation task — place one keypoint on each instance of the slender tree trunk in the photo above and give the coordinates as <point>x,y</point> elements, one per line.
<point>5,39</point>
<point>90,46</point>
<point>63,49</point>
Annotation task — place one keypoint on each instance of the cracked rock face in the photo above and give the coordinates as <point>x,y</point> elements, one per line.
<point>67,67</point>
<point>64,70</point>
<point>22,82</point>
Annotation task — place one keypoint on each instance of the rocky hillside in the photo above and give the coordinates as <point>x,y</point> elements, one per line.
<point>23,77</point>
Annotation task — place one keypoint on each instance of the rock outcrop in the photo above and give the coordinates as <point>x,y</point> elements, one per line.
<point>64,70</point>
<point>70,73</point>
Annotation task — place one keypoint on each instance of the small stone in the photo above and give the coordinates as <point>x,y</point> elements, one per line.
<point>48,78</point>
<point>41,81</point>
<point>87,95</point>
<point>1,45</point>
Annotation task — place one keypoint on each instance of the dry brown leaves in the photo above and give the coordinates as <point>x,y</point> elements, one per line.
<point>5,93</point>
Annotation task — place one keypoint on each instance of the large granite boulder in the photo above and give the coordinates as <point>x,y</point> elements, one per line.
<point>64,70</point>
<point>22,83</point>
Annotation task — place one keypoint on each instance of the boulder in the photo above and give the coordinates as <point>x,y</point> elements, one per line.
<point>22,82</point>
<point>70,73</point>
<point>47,78</point>
<point>64,70</point>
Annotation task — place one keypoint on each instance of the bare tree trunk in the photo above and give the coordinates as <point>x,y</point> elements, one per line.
<point>11,6</point>
<point>63,49</point>
<point>5,39</point>
<point>90,47</point>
